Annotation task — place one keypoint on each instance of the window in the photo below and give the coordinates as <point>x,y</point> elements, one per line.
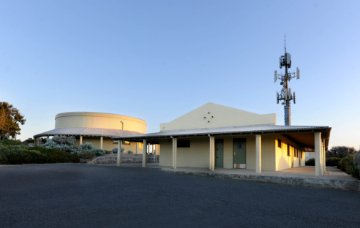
<point>185,143</point>
<point>288,150</point>
<point>279,143</point>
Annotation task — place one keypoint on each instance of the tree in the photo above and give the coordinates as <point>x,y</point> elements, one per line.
<point>340,151</point>
<point>10,120</point>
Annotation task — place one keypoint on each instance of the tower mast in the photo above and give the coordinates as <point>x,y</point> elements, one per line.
<point>285,95</point>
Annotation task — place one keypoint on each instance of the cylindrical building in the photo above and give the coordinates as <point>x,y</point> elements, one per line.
<point>98,129</point>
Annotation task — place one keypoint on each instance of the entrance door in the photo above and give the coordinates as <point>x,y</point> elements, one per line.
<point>240,153</point>
<point>219,153</point>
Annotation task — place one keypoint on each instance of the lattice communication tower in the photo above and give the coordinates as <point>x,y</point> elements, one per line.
<point>286,96</point>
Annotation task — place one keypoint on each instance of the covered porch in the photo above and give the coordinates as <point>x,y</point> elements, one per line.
<point>259,137</point>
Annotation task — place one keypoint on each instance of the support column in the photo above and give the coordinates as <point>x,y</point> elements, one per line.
<point>258,153</point>
<point>118,159</point>
<point>174,153</point>
<point>212,153</point>
<point>317,145</point>
<point>144,153</point>
<point>81,140</point>
<point>101,142</point>
<point>324,149</point>
<point>136,147</point>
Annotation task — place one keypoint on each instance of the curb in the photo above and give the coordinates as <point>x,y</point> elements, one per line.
<point>350,185</point>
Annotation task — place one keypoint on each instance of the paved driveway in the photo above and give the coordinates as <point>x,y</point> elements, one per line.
<point>78,195</point>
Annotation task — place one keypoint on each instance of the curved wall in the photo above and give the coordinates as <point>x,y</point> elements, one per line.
<point>99,120</point>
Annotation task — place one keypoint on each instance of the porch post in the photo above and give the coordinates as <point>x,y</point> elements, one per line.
<point>144,153</point>
<point>212,153</point>
<point>318,157</point>
<point>324,150</point>
<point>118,160</point>
<point>258,153</point>
<point>174,153</point>
<point>101,142</point>
<point>81,140</point>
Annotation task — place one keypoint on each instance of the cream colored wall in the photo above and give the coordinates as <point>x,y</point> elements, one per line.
<point>127,148</point>
<point>303,159</point>
<point>250,153</point>
<point>213,115</point>
<point>108,144</point>
<point>99,120</point>
<point>158,150</point>
<point>295,159</point>
<point>165,158</point>
<point>283,161</point>
<point>291,160</point>
<point>95,141</point>
<point>268,153</point>
<point>198,153</point>
<point>300,161</point>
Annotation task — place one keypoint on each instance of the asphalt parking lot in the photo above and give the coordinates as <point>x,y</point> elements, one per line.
<point>80,195</point>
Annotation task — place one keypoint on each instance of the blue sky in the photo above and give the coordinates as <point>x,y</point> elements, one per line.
<point>162,58</point>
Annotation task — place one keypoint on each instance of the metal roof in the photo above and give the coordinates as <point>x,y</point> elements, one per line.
<point>229,130</point>
<point>302,134</point>
<point>111,133</point>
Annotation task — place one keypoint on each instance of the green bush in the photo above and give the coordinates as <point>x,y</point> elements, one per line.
<point>87,151</point>
<point>310,162</point>
<point>59,149</point>
<point>347,165</point>
<point>357,162</point>
<point>9,142</point>
<point>15,153</point>
<point>332,161</point>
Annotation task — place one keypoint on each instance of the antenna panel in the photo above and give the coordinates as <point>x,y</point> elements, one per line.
<point>297,73</point>
<point>288,59</point>
<point>294,98</point>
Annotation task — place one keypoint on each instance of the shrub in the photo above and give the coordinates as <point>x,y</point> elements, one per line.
<point>57,149</point>
<point>332,161</point>
<point>58,156</point>
<point>29,141</point>
<point>9,142</point>
<point>86,147</point>
<point>12,154</point>
<point>87,151</point>
<point>347,165</point>
<point>357,163</point>
<point>310,162</point>
<point>15,153</point>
